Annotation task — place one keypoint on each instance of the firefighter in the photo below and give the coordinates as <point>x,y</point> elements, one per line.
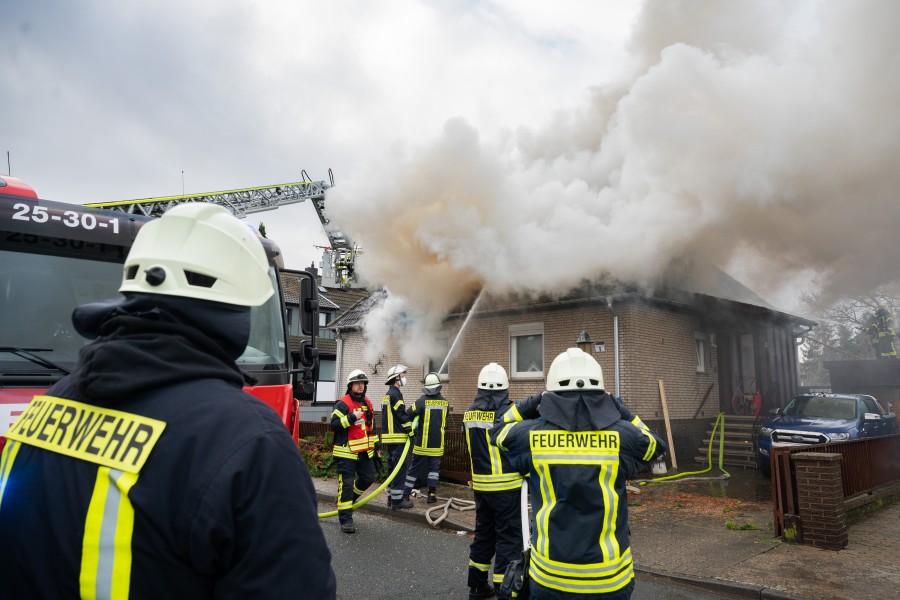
<point>148,470</point>
<point>353,423</point>
<point>882,330</point>
<point>431,411</point>
<point>396,430</point>
<point>578,455</point>
<point>496,484</point>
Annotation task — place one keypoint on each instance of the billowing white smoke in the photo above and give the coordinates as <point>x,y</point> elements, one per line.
<point>762,136</point>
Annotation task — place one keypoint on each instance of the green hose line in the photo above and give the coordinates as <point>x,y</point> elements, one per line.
<point>387,482</point>
<point>720,421</point>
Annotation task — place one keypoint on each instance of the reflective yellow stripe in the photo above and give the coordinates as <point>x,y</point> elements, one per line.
<point>359,444</point>
<point>651,445</point>
<point>498,486</point>
<point>106,547</point>
<point>548,501</point>
<point>502,435</point>
<point>479,566</point>
<point>10,450</point>
<point>636,421</point>
<point>420,451</point>
<point>342,417</point>
<point>597,578</point>
<point>394,438</point>
<point>341,505</point>
<point>343,452</point>
<point>494,454</point>
<point>512,415</point>
<point>497,477</point>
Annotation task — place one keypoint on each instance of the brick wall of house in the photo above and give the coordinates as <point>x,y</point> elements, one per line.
<point>659,344</point>
<point>655,343</point>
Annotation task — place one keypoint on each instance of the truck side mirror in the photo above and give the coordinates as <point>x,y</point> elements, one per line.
<point>309,307</point>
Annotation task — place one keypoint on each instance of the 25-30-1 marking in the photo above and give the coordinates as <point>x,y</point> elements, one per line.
<point>69,218</point>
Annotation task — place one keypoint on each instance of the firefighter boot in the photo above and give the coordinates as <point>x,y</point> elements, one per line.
<point>403,503</point>
<point>348,526</point>
<point>482,592</point>
<point>432,496</point>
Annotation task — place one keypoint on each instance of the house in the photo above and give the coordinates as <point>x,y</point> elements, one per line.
<point>332,302</point>
<point>699,337</point>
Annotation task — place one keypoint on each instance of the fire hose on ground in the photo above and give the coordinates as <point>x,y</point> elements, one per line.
<point>444,509</point>
<point>387,482</point>
<point>720,427</point>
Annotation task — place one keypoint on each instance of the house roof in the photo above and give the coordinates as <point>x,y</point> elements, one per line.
<point>697,287</point>
<point>291,287</point>
<point>354,316</point>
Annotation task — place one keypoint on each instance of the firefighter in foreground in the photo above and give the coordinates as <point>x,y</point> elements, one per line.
<point>496,483</point>
<point>354,446</point>
<point>431,411</point>
<point>579,452</point>
<point>396,430</point>
<point>147,472</point>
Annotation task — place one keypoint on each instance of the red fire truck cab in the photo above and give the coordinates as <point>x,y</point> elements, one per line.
<point>55,256</point>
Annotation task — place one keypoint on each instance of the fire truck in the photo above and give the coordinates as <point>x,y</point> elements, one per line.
<point>55,256</point>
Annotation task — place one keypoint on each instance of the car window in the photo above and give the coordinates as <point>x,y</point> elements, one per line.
<point>821,407</point>
<point>872,405</point>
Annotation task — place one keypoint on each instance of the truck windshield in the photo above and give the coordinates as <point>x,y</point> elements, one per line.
<point>821,407</point>
<point>38,293</point>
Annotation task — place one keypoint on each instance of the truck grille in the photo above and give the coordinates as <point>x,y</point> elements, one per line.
<point>786,436</point>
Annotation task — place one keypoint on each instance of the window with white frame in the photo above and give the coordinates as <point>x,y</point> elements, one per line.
<point>526,350</point>
<point>700,351</point>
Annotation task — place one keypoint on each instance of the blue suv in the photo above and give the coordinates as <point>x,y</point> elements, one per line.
<point>820,419</point>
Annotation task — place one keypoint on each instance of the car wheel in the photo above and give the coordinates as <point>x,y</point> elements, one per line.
<point>764,467</point>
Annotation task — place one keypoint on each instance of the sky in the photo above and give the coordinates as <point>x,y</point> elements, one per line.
<point>113,101</point>
<point>500,145</point>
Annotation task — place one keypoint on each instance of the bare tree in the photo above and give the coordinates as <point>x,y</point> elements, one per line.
<point>841,333</point>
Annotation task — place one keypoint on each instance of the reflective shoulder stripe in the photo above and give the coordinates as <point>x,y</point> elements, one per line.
<point>111,438</point>
<point>10,450</point>
<point>106,547</point>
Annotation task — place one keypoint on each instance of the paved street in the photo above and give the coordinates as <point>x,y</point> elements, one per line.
<point>393,560</point>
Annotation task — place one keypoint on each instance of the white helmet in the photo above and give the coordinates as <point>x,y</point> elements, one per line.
<point>357,375</point>
<point>201,251</point>
<point>432,383</point>
<point>574,370</point>
<point>395,372</point>
<point>493,377</point>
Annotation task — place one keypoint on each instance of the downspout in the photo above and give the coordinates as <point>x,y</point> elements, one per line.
<point>340,360</point>
<point>609,307</point>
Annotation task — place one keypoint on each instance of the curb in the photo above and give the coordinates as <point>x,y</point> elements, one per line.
<point>720,585</point>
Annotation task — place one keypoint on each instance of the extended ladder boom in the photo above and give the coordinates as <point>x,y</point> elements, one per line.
<point>341,254</point>
<point>240,202</point>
